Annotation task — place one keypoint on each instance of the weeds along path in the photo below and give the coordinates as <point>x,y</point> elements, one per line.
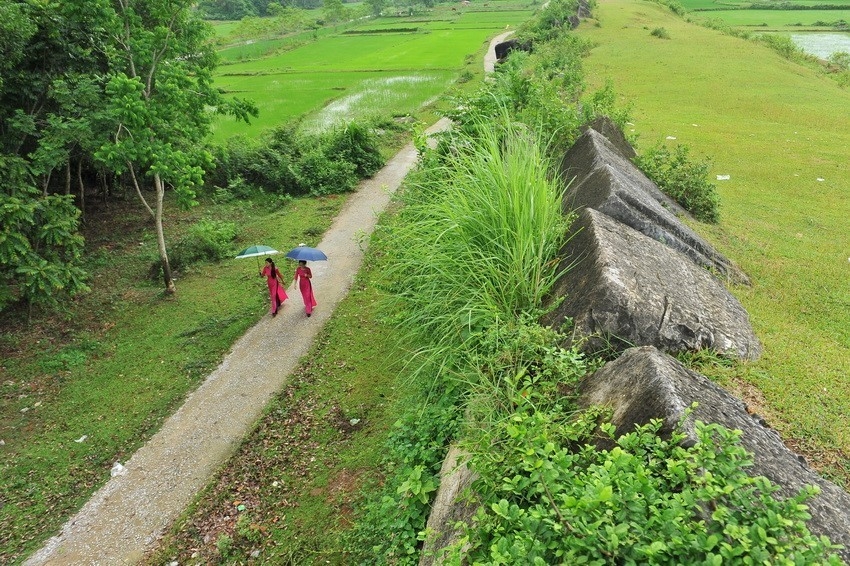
<point>127,515</point>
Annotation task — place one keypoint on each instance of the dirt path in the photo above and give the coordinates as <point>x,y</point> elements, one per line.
<point>126,516</point>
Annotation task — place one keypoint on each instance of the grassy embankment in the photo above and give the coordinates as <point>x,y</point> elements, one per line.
<point>781,132</point>
<point>107,371</point>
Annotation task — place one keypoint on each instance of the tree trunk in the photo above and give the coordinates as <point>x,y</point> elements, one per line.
<point>82,189</point>
<point>160,236</point>
<point>68,177</point>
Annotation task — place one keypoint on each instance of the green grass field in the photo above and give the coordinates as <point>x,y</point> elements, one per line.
<point>779,19</point>
<point>347,67</point>
<point>782,132</point>
<point>732,4</point>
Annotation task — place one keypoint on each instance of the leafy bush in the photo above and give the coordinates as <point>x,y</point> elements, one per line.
<point>783,45</point>
<point>393,516</point>
<point>286,161</point>
<point>660,33</point>
<point>355,144</point>
<point>318,173</point>
<point>683,179</point>
<point>206,240</point>
<point>41,248</point>
<point>646,501</point>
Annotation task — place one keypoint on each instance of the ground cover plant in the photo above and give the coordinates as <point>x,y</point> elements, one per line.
<point>778,217</point>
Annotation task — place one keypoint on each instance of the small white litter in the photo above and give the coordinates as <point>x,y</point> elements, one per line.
<point>81,439</point>
<point>821,179</point>
<point>117,470</point>
<point>671,137</point>
<point>354,421</point>
<point>695,125</point>
<point>723,177</point>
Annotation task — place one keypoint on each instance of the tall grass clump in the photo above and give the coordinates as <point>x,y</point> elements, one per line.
<point>480,233</point>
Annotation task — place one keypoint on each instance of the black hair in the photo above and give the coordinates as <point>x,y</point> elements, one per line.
<point>271,263</point>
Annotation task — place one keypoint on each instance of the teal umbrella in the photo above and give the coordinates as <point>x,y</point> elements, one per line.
<point>256,251</point>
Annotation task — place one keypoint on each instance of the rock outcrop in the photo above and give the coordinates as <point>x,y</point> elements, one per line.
<point>601,177</point>
<point>626,289</point>
<point>644,384</point>
<point>451,505</point>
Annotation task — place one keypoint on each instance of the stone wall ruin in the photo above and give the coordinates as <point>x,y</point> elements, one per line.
<point>645,285</point>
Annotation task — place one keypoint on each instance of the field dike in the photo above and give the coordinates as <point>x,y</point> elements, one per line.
<point>638,284</point>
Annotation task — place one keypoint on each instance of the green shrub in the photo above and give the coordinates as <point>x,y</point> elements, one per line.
<point>287,162</point>
<point>645,501</point>
<point>356,144</point>
<point>320,174</point>
<point>683,179</point>
<point>660,33</point>
<point>392,517</point>
<point>783,45</point>
<point>206,240</point>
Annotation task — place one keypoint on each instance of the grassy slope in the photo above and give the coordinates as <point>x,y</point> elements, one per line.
<point>782,132</point>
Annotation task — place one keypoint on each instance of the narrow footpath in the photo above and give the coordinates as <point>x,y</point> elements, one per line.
<point>126,516</point>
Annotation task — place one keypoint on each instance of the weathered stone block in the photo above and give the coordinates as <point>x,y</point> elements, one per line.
<point>451,505</point>
<point>626,289</point>
<point>644,384</point>
<point>604,179</point>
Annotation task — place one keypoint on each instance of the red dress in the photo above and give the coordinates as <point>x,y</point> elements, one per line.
<point>303,276</point>
<point>277,293</point>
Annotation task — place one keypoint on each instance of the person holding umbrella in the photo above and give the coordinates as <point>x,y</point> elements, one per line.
<point>274,279</point>
<point>302,277</point>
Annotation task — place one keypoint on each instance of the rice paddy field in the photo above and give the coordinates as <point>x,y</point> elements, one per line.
<point>781,132</point>
<point>359,68</point>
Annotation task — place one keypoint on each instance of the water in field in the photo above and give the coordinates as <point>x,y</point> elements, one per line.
<point>822,45</point>
<point>404,93</point>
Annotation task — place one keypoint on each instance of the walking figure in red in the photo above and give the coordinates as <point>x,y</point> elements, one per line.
<point>303,275</point>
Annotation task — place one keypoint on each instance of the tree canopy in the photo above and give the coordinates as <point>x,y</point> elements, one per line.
<point>88,88</point>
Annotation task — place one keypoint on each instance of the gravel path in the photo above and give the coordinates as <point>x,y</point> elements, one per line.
<point>127,515</point>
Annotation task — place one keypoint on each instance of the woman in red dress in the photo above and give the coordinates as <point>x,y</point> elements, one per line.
<point>302,277</point>
<point>275,282</point>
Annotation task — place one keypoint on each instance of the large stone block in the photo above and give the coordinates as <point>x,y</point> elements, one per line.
<point>644,384</point>
<point>604,179</point>
<point>626,289</point>
<point>453,503</point>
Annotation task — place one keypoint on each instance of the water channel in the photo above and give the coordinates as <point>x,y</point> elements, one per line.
<point>822,45</point>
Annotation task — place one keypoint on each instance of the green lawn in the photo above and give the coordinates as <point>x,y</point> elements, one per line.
<point>782,133</point>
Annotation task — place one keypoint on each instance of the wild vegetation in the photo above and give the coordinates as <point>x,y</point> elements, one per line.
<point>293,492</point>
<point>784,158</point>
<point>482,374</point>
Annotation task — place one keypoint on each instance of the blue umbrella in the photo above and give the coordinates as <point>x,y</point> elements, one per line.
<point>306,253</point>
